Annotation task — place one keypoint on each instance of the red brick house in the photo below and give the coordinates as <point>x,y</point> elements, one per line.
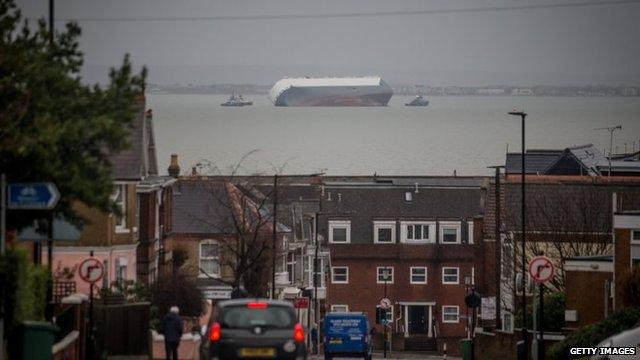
<point>425,231</point>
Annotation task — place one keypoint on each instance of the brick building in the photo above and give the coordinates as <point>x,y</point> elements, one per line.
<point>425,231</point>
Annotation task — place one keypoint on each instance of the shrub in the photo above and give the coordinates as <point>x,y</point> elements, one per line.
<point>179,290</point>
<point>630,288</point>
<point>554,306</point>
<point>24,288</point>
<point>591,335</point>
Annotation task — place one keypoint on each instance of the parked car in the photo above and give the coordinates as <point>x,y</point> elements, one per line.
<point>628,338</point>
<point>253,329</point>
<point>347,335</point>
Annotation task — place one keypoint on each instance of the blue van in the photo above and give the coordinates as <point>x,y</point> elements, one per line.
<point>346,335</point>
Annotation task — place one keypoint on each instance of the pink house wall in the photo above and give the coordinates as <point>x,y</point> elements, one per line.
<point>73,256</point>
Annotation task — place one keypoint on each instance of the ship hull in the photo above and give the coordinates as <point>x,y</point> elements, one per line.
<point>343,95</point>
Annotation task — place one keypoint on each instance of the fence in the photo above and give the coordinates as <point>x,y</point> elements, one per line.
<point>122,329</point>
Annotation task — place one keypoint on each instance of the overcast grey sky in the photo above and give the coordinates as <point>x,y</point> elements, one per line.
<point>553,46</point>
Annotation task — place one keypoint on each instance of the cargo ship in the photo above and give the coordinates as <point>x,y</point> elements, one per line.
<point>338,91</point>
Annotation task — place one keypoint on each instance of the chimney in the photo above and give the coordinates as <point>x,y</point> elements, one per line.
<point>174,168</point>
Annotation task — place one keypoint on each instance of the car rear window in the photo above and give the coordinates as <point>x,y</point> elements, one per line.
<point>243,317</point>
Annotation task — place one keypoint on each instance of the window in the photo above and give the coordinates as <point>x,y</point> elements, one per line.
<point>339,308</point>
<point>291,267</point>
<point>340,275</point>
<point>450,275</point>
<point>121,270</point>
<point>528,283</point>
<point>470,233</point>
<point>384,232</point>
<point>450,232</point>
<point>507,322</point>
<point>635,235</point>
<point>309,271</point>
<point>384,274</point>
<point>340,231</point>
<point>408,196</point>
<point>417,232</point>
<point>119,196</point>
<point>209,258</point>
<point>418,275</point>
<point>450,314</point>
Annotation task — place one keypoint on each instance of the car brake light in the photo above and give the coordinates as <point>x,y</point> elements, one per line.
<point>257,305</point>
<point>298,333</point>
<point>215,333</point>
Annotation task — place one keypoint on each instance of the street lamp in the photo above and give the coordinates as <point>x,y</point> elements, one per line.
<point>386,274</point>
<point>523,116</point>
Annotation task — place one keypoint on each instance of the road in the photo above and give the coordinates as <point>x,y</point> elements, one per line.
<point>398,356</point>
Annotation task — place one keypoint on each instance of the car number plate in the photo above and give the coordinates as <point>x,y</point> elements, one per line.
<point>258,352</point>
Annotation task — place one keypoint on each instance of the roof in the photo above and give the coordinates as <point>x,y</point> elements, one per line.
<point>405,181</point>
<point>536,161</point>
<point>139,160</point>
<point>202,206</point>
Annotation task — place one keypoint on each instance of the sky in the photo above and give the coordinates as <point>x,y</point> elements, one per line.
<point>430,42</point>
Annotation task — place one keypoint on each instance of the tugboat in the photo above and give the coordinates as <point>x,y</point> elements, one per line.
<point>418,101</point>
<point>236,100</point>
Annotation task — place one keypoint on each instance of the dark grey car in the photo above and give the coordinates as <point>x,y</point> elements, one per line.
<point>253,329</point>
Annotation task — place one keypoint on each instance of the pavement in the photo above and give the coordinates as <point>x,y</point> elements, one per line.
<point>399,356</point>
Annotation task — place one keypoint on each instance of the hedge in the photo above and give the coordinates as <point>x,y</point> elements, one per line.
<point>592,335</point>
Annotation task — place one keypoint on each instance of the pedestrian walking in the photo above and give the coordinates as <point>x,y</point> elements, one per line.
<point>172,331</point>
<point>314,339</point>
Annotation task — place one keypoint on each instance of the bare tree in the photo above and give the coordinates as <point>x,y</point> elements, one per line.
<point>563,221</point>
<point>241,217</point>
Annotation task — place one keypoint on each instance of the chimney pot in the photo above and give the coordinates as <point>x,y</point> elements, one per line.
<point>174,168</point>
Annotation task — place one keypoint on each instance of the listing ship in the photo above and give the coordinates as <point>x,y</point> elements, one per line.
<point>418,101</point>
<point>343,91</point>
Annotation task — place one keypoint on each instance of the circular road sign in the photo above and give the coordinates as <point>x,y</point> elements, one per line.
<point>385,303</point>
<point>541,269</point>
<point>91,270</point>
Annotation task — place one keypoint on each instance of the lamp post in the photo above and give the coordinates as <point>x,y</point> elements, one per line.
<point>386,273</point>
<point>523,116</point>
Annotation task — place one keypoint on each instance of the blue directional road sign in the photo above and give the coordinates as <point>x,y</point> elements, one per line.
<point>32,196</point>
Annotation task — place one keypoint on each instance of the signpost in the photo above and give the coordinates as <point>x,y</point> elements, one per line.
<point>541,270</point>
<point>91,270</point>
<point>36,196</point>
<point>385,303</point>
<point>32,196</point>
<point>301,303</point>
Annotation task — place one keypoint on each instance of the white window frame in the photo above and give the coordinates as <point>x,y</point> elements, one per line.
<point>470,232</point>
<point>201,272</point>
<point>340,224</point>
<point>384,225</point>
<point>451,225</point>
<point>378,274</point>
<point>290,263</point>
<point>457,308</point>
<point>404,232</point>
<point>457,282</point>
<point>634,240</point>
<point>339,306</point>
<point>309,271</point>
<point>333,274</point>
<point>411,275</point>
<point>507,322</point>
<point>122,188</point>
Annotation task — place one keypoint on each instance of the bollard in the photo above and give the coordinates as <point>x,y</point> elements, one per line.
<point>444,351</point>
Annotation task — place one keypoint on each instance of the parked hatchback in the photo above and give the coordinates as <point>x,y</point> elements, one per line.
<point>253,329</point>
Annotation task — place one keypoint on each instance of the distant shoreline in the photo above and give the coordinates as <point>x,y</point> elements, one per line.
<point>412,90</point>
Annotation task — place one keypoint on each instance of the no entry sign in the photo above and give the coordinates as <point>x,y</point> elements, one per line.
<point>91,270</point>
<point>541,269</point>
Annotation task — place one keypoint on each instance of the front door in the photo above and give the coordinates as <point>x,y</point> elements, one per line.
<point>417,319</point>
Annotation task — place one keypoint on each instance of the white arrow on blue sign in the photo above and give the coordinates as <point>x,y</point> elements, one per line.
<point>32,196</point>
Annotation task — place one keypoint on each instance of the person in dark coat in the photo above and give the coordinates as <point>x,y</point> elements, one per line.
<point>172,331</point>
